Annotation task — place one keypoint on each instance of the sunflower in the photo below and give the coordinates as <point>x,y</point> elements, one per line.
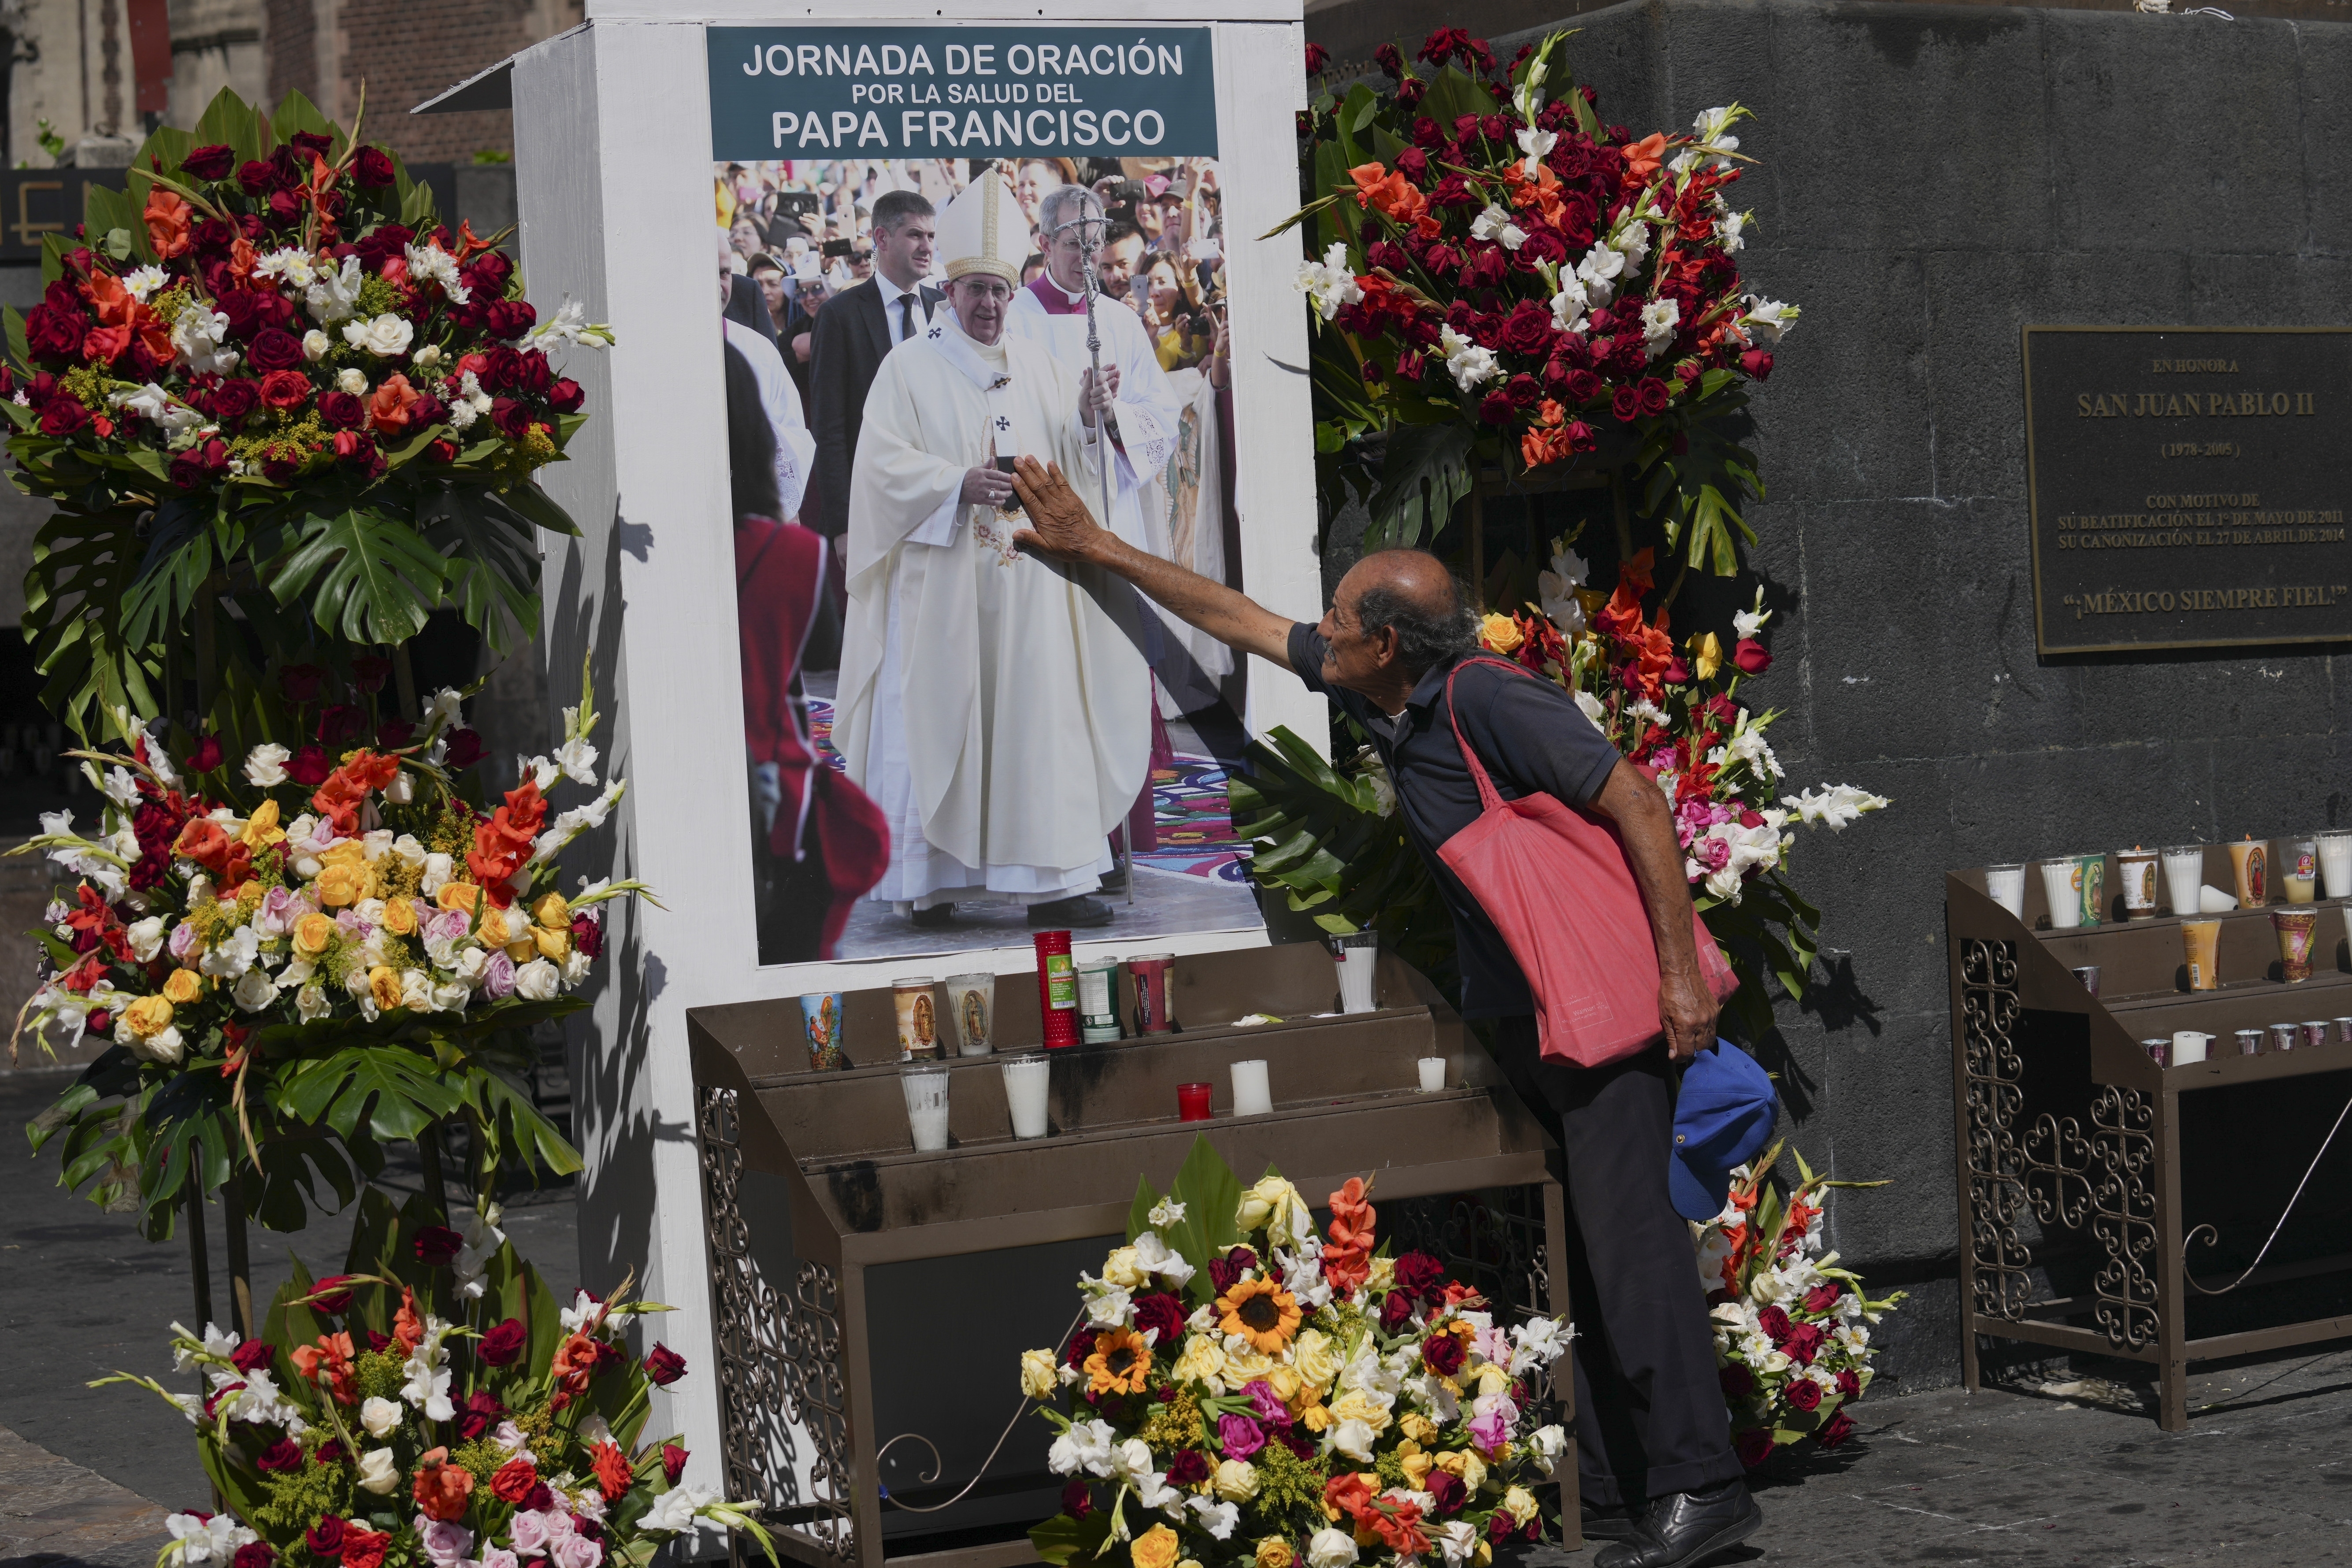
<point>1121,1362</point>
<point>1261,1311</point>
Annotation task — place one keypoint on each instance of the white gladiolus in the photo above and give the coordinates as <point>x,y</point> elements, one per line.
<point>1768,320</point>
<point>1838,806</point>
<point>198,336</point>
<point>1328,282</point>
<point>1495,224</point>
<point>1660,319</point>
<point>333,295</point>
<point>1469,363</point>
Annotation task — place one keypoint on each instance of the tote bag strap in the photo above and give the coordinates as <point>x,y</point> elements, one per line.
<point>1488,797</point>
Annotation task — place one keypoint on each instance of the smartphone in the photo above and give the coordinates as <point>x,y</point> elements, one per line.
<point>834,247</point>
<point>1009,465</point>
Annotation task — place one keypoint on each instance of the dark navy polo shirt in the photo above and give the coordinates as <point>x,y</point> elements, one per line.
<point>1533,739</point>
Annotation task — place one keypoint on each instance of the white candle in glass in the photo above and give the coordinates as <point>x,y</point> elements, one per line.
<point>2336,864</point>
<point>2188,1045</point>
<point>2005,885</point>
<point>1432,1074</point>
<point>1026,1080</point>
<point>927,1107</point>
<point>2184,875</point>
<point>2058,888</point>
<point>1251,1095</point>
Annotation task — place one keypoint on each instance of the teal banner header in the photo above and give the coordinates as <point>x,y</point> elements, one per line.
<point>885,92</point>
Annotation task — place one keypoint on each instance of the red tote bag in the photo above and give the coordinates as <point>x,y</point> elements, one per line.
<point>1556,882</point>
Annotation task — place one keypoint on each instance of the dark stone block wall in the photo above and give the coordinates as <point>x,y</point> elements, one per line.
<point>1932,178</point>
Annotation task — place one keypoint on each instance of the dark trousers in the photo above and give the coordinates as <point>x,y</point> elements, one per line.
<point>1650,1415</point>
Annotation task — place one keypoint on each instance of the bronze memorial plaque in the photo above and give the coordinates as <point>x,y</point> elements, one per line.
<point>2187,486</point>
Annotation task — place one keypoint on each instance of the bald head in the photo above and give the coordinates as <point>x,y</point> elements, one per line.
<point>1407,604</point>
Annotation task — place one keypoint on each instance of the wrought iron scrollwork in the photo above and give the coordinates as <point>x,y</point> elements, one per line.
<point>1998,1189</point>
<point>1493,1241</point>
<point>780,1373</point>
<point>2123,1149</point>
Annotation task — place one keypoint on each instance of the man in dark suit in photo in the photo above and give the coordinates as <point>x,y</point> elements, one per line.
<point>857,328</point>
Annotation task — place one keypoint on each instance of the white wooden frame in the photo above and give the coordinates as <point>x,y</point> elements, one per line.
<point>613,153</point>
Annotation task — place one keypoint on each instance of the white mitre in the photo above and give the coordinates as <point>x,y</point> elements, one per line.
<point>982,230</point>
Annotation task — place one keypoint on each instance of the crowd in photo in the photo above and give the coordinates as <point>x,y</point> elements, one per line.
<point>826,265</point>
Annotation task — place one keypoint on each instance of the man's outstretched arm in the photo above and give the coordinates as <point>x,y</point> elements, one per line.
<point>1062,529</point>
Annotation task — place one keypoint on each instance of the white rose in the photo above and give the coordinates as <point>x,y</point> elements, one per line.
<point>315,344</point>
<point>576,967</point>
<point>1548,1443</point>
<point>1330,1548</point>
<point>451,998</point>
<point>255,990</point>
<point>146,937</point>
<point>379,1416</point>
<point>352,380</point>
<point>385,336</point>
<point>164,1046</point>
<point>402,789</point>
<point>265,765</point>
<point>437,870</point>
<point>536,981</point>
<point>1353,1437</point>
<point>378,1474</point>
<point>310,1002</point>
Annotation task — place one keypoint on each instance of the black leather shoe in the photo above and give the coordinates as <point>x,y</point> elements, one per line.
<point>937,915</point>
<point>1613,1522</point>
<point>1686,1529</point>
<point>1075,913</point>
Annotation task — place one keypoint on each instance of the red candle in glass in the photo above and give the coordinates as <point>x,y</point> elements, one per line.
<point>1192,1102</point>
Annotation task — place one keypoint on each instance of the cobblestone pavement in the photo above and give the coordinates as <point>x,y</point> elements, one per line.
<point>2063,1468</point>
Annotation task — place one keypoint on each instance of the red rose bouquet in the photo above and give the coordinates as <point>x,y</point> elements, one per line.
<point>265,373</point>
<point>435,1404</point>
<point>1791,1329</point>
<point>1505,276</point>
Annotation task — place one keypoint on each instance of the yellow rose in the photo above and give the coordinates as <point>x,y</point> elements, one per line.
<point>1376,1284</point>
<point>148,1016</point>
<point>1203,1361</point>
<point>312,933</point>
<point>1417,1427</point>
<point>1285,1383</point>
<point>1317,1358</point>
<point>1236,1480</point>
<point>1242,1366</point>
<point>399,917</point>
<point>349,852</point>
<point>459,896</point>
<point>1155,1548</point>
<point>1123,1267</point>
<point>342,884</point>
<point>183,987</point>
<point>1261,1202</point>
<point>1519,1503</point>
<point>493,929</point>
<point>1416,1464</point>
<point>1469,1466</point>
<point>1189,1562</point>
<point>1317,1417</point>
<point>1483,1555</point>
<point>1273,1551</point>
<point>384,985</point>
<point>522,950</point>
<point>1493,1378</point>
<point>1500,633</point>
<point>553,912</point>
<point>1357,1405</point>
<point>261,829</point>
<point>556,944</point>
<point>1038,1374</point>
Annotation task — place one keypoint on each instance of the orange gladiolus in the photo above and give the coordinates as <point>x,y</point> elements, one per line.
<point>1399,1524</point>
<point>333,1353</point>
<point>441,1487</point>
<point>168,220</point>
<point>407,1328</point>
<point>1346,1497</point>
<point>1348,1261</point>
<point>1369,178</point>
<point>1643,158</point>
<point>573,1366</point>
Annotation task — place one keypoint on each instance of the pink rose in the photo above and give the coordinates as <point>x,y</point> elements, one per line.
<point>446,1543</point>
<point>576,1552</point>
<point>528,1532</point>
<point>499,976</point>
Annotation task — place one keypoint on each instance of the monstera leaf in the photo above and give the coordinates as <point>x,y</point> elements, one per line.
<point>371,579</point>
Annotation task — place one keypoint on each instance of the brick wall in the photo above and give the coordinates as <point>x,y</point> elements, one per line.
<point>406,51</point>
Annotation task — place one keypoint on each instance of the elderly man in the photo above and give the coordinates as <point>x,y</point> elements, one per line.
<point>993,704</point>
<point>1646,1393</point>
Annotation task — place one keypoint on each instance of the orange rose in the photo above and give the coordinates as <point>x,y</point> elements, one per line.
<point>442,1487</point>
<point>388,405</point>
<point>167,223</point>
<point>613,1472</point>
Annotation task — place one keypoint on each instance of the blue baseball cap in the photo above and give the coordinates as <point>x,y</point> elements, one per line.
<point>1724,1115</point>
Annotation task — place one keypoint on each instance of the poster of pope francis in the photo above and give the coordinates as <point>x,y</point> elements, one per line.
<point>951,742</point>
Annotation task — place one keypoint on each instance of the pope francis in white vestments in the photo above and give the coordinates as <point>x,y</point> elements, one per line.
<point>994,704</point>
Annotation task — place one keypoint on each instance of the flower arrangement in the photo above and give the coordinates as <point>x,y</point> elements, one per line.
<point>270,342</point>
<point>1791,1329</point>
<point>318,945</point>
<point>1500,265</point>
<point>434,1406</point>
<point>1293,1398</point>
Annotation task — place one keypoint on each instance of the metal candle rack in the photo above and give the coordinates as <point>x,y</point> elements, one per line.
<point>2076,1127</point>
<point>795,1358</point>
